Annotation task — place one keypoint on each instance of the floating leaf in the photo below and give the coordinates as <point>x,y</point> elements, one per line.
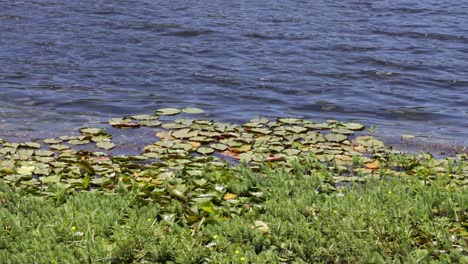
<point>164,135</point>
<point>123,123</point>
<point>144,117</point>
<point>44,153</point>
<point>150,123</point>
<point>264,131</point>
<point>78,142</point>
<point>192,110</point>
<point>52,141</point>
<point>25,170</point>
<point>50,179</point>
<point>173,126</point>
<point>342,131</point>
<point>296,129</point>
<point>205,150</point>
<point>59,147</point>
<point>335,137</point>
<point>260,120</point>
<point>354,126</point>
<point>219,146</point>
<point>184,133</point>
<point>291,121</point>
<point>168,111</point>
<point>91,131</point>
<point>30,145</point>
<point>105,145</point>
<point>240,149</point>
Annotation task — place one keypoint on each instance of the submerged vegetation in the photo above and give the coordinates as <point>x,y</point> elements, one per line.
<point>287,190</point>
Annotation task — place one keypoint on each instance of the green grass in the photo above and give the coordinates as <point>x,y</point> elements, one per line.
<point>291,217</point>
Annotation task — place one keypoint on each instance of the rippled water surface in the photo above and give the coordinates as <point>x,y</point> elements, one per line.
<point>400,65</point>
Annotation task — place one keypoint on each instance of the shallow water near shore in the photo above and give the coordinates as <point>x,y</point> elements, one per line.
<point>400,66</point>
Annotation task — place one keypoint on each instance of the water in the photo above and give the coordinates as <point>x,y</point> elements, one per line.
<point>400,65</point>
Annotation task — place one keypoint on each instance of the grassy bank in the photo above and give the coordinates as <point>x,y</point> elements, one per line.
<point>268,191</point>
<point>295,220</point>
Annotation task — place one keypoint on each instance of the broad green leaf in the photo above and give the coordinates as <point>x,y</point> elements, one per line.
<point>205,150</point>
<point>219,146</point>
<point>59,147</point>
<point>50,179</point>
<point>184,133</point>
<point>335,137</point>
<point>105,145</point>
<point>91,131</point>
<point>354,126</point>
<point>192,110</point>
<point>52,141</point>
<point>25,170</point>
<point>168,111</point>
<point>31,145</point>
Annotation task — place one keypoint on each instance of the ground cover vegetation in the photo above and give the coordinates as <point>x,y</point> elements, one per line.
<point>268,191</point>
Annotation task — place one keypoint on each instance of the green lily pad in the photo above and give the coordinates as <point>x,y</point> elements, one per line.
<point>205,150</point>
<point>335,137</point>
<point>25,170</point>
<point>260,120</point>
<point>91,131</point>
<point>78,142</point>
<point>296,129</point>
<point>192,110</point>
<point>184,133</point>
<point>59,147</point>
<point>123,123</point>
<point>144,117</point>
<point>52,141</point>
<point>105,145</point>
<point>342,131</point>
<point>168,111</point>
<point>264,131</point>
<point>290,121</point>
<point>318,126</point>
<point>219,146</point>
<point>354,126</point>
<point>31,145</point>
<point>174,126</point>
<point>150,123</point>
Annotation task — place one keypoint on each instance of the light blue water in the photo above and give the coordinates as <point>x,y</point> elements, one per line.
<point>400,65</point>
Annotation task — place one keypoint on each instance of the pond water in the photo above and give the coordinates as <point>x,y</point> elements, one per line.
<point>399,65</point>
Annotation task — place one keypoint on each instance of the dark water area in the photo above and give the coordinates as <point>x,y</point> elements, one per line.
<point>399,65</point>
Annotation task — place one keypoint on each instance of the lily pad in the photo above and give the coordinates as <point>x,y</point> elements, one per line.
<point>52,141</point>
<point>205,150</point>
<point>59,147</point>
<point>354,126</point>
<point>219,146</point>
<point>123,123</point>
<point>105,145</point>
<point>168,111</point>
<point>144,117</point>
<point>184,133</point>
<point>335,137</point>
<point>31,145</point>
<point>25,170</point>
<point>192,110</point>
<point>91,131</point>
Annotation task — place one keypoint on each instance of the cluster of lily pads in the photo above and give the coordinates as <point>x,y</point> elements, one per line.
<point>189,164</point>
